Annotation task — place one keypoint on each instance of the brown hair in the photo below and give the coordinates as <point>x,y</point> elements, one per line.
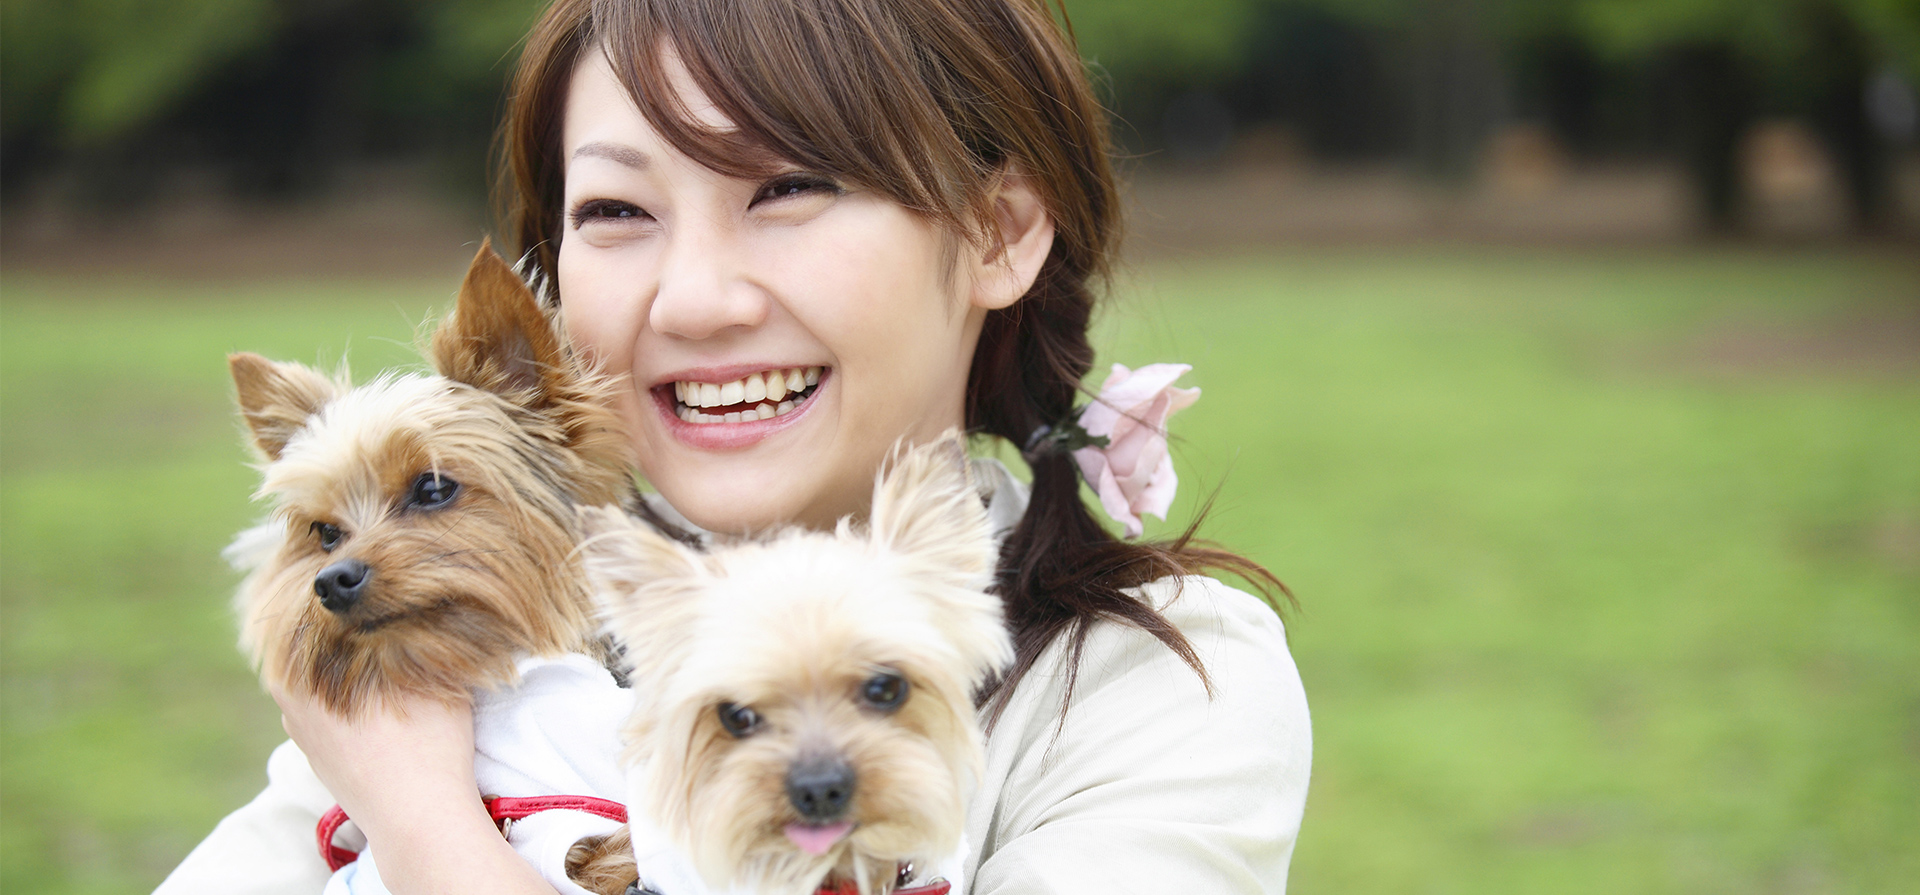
<point>926,102</point>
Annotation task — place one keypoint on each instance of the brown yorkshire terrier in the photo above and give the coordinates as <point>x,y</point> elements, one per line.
<point>804,715</point>
<point>423,527</point>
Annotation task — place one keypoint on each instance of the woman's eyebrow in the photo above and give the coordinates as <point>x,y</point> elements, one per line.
<point>614,152</point>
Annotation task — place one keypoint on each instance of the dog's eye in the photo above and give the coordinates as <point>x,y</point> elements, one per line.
<point>432,491</point>
<point>884,691</point>
<point>739,720</point>
<point>329,535</point>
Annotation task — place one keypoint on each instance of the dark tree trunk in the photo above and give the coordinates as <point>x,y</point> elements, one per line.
<point>1839,68</point>
<point>1714,100</point>
<point>1459,90</point>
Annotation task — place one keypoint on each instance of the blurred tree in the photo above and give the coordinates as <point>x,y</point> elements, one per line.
<point>1193,40</point>
<point>1723,63</point>
<point>280,87</point>
<point>1732,60</point>
<point>95,68</point>
<point>1159,63</point>
<point>276,93</point>
<point>1331,80</point>
<point>274,90</point>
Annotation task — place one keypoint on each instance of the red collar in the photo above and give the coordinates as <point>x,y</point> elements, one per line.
<point>934,887</point>
<point>503,809</point>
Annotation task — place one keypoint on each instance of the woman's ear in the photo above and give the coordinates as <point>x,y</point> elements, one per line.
<point>1019,238</point>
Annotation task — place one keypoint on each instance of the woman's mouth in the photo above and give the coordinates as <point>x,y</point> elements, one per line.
<point>758,396</point>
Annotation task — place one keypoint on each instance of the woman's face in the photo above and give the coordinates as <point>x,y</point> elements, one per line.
<point>781,334</point>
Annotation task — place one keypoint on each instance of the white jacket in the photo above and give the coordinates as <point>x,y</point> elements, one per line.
<point>1148,784</point>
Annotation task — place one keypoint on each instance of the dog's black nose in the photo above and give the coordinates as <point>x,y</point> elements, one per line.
<point>820,788</point>
<point>341,584</point>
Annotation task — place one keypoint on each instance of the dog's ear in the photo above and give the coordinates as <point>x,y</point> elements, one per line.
<point>925,507</point>
<point>277,399</point>
<point>497,338</point>
<point>623,554</point>
<point>643,582</point>
<point>925,504</point>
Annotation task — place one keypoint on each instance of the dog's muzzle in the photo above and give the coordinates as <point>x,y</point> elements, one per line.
<point>341,585</point>
<point>820,788</point>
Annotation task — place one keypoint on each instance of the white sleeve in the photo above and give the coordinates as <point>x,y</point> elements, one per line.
<point>266,847</point>
<point>1151,785</point>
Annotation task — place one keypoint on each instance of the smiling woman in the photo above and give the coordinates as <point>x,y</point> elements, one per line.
<point>802,232</point>
<point>701,286</point>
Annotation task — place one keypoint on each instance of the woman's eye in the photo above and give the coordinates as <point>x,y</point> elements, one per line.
<point>605,210</point>
<point>432,491</point>
<point>795,185</point>
<point>329,535</point>
<point>739,720</point>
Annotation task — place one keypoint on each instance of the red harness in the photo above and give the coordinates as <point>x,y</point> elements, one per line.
<point>503,809</point>
<point>506,809</point>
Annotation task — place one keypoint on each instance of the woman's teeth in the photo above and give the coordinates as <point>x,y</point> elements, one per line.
<point>757,397</point>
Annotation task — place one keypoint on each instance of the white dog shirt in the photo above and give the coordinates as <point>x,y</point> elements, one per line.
<point>555,733</point>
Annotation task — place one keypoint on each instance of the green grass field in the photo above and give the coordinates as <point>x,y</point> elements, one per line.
<point>1609,564</point>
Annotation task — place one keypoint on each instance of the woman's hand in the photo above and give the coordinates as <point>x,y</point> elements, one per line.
<point>404,772</point>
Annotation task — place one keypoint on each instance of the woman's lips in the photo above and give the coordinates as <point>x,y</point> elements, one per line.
<point>739,412</point>
<point>763,395</point>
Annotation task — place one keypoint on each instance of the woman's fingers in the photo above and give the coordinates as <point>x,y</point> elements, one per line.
<point>389,758</point>
<point>403,770</point>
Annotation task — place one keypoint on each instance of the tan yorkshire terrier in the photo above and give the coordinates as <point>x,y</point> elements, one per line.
<point>423,530</point>
<point>804,718</point>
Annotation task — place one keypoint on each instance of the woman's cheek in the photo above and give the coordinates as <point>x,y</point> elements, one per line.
<point>592,310</point>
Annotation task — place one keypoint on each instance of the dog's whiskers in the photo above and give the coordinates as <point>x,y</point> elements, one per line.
<point>436,607</point>
<point>439,558</point>
<point>452,523</point>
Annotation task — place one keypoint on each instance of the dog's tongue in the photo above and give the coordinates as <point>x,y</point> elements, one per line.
<point>816,840</point>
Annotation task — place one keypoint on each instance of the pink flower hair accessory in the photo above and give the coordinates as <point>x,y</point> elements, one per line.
<point>1119,441</point>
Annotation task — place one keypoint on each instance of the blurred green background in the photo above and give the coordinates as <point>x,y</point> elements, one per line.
<point>1609,564</point>
<point>1563,356</point>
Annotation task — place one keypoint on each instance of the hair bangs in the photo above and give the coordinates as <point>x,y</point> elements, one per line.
<point>827,85</point>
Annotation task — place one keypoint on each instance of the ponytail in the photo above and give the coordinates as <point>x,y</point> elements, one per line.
<point>1061,570</point>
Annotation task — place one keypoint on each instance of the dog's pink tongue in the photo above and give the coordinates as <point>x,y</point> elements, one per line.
<point>816,840</point>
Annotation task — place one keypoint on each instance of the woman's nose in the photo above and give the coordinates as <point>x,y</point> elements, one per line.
<point>705,288</point>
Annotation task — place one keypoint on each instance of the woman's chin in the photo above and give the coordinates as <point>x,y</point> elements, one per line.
<point>744,498</point>
<point>734,511</point>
